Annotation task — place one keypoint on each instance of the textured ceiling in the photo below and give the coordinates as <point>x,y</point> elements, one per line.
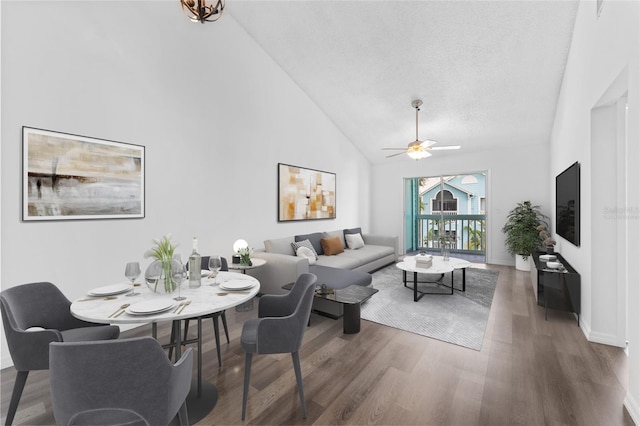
<point>489,73</point>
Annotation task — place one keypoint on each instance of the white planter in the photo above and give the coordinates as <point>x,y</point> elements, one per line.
<point>522,264</point>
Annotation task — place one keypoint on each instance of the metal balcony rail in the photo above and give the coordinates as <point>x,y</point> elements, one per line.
<point>462,233</point>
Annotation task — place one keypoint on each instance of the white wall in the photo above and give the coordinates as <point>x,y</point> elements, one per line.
<point>514,175</point>
<point>603,53</point>
<point>216,116</point>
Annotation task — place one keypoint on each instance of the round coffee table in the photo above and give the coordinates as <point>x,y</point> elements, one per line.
<point>438,267</point>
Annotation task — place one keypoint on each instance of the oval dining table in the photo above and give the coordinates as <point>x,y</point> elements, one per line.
<point>206,299</point>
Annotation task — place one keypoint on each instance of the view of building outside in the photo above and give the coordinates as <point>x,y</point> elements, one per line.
<point>449,212</point>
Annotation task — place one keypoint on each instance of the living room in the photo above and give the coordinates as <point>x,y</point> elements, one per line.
<point>216,114</point>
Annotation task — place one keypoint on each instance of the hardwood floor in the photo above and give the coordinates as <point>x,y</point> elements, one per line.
<point>529,372</point>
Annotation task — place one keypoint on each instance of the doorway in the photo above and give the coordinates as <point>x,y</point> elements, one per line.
<point>447,211</point>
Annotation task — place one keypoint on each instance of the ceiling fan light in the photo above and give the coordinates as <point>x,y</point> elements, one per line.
<point>417,154</point>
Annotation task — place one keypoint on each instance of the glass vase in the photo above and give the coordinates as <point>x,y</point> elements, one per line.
<point>158,276</point>
<point>246,260</point>
<point>445,252</point>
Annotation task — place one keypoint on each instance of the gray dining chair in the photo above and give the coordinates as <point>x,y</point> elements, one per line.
<point>34,315</point>
<point>214,316</point>
<point>279,328</point>
<point>118,382</point>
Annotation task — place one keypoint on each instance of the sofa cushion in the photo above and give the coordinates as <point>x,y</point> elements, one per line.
<point>354,241</point>
<point>331,246</point>
<point>304,243</point>
<point>314,239</point>
<point>367,254</point>
<point>337,233</point>
<point>280,245</point>
<point>307,253</point>
<point>339,261</point>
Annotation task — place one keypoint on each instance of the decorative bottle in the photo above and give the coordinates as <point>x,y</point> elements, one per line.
<point>195,266</point>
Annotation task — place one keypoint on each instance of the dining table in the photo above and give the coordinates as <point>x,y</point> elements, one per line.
<point>224,291</point>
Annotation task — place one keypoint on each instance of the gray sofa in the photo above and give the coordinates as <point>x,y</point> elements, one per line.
<point>283,266</point>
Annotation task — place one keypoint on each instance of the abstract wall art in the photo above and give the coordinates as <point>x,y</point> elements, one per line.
<point>305,194</point>
<point>69,177</point>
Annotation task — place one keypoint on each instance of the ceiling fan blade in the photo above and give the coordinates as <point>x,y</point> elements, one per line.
<point>394,155</point>
<point>403,149</point>
<point>446,147</point>
<point>427,143</point>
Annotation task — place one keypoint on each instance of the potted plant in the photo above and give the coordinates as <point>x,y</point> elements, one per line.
<point>523,237</point>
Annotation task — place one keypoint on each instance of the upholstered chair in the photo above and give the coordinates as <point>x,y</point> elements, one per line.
<point>124,381</point>
<point>279,328</point>
<point>33,316</point>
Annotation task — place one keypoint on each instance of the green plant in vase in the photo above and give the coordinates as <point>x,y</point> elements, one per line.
<point>521,227</point>
<point>163,251</point>
<point>245,255</point>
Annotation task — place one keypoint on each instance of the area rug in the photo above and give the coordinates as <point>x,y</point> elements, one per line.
<point>460,319</point>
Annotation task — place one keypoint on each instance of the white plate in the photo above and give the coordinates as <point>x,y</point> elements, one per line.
<point>548,257</point>
<point>109,290</point>
<point>149,307</point>
<point>236,285</point>
<point>204,273</point>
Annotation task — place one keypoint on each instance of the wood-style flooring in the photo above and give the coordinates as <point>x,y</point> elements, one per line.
<point>529,371</point>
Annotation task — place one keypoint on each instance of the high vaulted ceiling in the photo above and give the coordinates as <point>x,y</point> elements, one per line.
<point>489,73</point>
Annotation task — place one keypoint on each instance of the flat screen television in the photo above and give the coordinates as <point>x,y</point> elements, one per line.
<point>568,204</point>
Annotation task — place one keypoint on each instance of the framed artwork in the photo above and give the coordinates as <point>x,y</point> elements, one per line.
<point>67,177</point>
<point>305,194</point>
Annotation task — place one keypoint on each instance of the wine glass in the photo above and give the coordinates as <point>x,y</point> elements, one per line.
<point>178,273</point>
<point>132,271</point>
<point>214,266</point>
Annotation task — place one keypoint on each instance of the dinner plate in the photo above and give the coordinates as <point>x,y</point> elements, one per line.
<point>109,290</point>
<point>149,307</point>
<point>237,285</point>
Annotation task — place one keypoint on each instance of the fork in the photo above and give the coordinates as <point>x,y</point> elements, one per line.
<point>175,311</point>
<point>185,304</point>
<point>121,308</point>
<point>102,298</point>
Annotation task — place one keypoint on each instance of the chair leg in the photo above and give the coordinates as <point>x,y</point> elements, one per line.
<point>183,416</point>
<point>224,324</point>
<point>247,374</point>
<point>18,387</point>
<point>296,366</point>
<point>216,332</point>
<point>172,340</point>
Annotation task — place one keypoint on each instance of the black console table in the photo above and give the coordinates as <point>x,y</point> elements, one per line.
<point>556,289</point>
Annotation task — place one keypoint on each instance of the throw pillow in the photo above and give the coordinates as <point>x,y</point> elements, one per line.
<point>337,233</point>
<point>307,253</point>
<point>351,231</point>
<point>304,243</point>
<point>314,239</point>
<point>354,241</point>
<point>332,246</point>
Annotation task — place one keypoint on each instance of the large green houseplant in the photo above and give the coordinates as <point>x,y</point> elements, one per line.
<point>522,236</point>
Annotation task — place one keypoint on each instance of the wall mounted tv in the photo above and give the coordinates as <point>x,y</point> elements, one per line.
<point>568,204</point>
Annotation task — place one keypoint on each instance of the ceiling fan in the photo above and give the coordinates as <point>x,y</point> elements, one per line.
<point>419,149</point>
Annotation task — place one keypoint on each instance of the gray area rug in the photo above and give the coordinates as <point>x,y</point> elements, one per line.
<point>460,319</point>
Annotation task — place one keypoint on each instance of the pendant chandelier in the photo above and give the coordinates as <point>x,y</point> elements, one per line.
<point>199,11</point>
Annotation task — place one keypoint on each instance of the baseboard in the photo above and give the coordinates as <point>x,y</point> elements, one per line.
<point>633,408</point>
<point>602,338</point>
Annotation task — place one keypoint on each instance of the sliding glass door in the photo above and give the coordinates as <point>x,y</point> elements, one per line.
<point>447,211</point>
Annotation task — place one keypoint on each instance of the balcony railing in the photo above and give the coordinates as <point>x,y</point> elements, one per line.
<point>463,233</point>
